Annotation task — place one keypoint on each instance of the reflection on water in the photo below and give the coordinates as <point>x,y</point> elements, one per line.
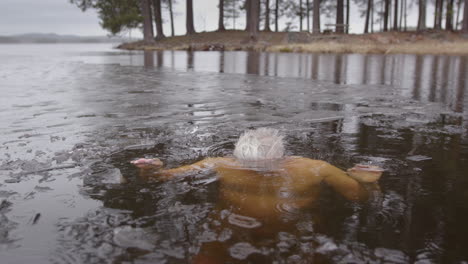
<point>68,130</point>
<point>427,78</point>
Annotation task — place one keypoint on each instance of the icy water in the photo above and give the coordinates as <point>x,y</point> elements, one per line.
<point>73,116</point>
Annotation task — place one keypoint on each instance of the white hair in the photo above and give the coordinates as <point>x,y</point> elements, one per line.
<point>259,144</point>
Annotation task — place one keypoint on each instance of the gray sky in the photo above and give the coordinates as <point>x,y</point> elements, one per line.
<point>46,16</point>
<point>61,17</point>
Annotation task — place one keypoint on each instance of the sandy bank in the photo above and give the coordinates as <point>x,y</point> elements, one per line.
<point>430,42</point>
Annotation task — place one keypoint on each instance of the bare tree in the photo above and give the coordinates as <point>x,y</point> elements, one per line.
<point>189,18</point>
<point>438,9</point>
<point>221,16</point>
<point>253,18</point>
<point>277,15</point>
<point>267,16</point>
<point>171,16</point>
<point>348,7</point>
<point>316,17</point>
<point>372,17</point>
<point>248,16</point>
<point>301,13</point>
<point>231,11</point>
<point>405,15</point>
<point>368,13</point>
<point>386,15</point>
<point>158,19</point>
<point>395,15</point>
<point>441,12</point>
<point>465,18</point>
<point>449,16</point>
<point>458,14</point>
<point>422,15</point>
<point>339,16</point>
<point>402,8</point>
<point>148,36</point>
<point>308,15</point>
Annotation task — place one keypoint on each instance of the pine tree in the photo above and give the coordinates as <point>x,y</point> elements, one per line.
<point>316,17</point>
<point>158,19</point>
<point>169,4</point>
<point>116,16</point>
<point>189,17</point>
<point>231,11</point>
<point>221,16</point>
<point>465,18</point>
<point>422,15</point>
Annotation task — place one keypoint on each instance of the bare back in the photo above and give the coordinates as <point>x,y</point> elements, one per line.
<point>293,183</point>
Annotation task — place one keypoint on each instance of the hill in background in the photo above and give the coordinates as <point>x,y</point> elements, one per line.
<point>55,38</point>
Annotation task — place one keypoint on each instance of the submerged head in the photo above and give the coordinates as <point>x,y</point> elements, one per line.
<point>259,144</point>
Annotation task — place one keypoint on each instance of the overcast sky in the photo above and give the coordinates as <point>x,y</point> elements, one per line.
<point>61,17</point>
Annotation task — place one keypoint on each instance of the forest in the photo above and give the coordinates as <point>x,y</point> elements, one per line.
<point>118,16</point>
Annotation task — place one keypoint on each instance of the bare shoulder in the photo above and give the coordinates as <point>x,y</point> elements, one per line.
<point>221,161</point>
<point>302,161</point>
<point>304,166</point>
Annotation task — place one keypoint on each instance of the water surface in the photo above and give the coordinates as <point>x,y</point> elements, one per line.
<point>73,116</point>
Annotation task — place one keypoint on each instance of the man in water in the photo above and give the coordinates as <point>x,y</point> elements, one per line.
<point>259,157</point>
<point>259,186</point>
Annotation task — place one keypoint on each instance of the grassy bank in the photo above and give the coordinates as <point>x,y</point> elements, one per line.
<point>431,42</point>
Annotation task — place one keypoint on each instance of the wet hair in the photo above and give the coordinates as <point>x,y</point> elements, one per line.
<point>259,144</point>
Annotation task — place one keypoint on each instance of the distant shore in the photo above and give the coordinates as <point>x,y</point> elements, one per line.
<point>52,38</point>
<point>429,42</point>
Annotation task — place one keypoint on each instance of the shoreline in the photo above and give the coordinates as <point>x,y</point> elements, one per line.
<point>428,42</point>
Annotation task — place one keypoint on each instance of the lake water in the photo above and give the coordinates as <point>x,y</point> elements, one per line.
<point>73,116</point>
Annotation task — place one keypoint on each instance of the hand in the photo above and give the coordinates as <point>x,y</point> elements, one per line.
<point>147,164</point>
<point>365,173</point>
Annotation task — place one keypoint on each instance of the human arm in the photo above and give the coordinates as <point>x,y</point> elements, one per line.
<point>152,168</point>
<point>356,184</point>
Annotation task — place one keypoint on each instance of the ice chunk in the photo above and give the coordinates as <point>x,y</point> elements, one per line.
<point>242,250</point>
<point>418,158</point>
<point>129,237</point>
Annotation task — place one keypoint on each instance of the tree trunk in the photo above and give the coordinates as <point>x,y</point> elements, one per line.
<point>422,15</point>
<point>148,36</point>
<point>441,13</point>
<point>386,15</point>
<point>276,15</point>
<point>465,18</point>
<point>316,17</point>
<point>171,14</point>
<point>348,6</point>
<point>366,25</point>
<point>436,13</point>
<point>221,16</point>
<point>439,9</point>
<point>458,14</point>
<point>308,15</point>
<point>395,15</point>
<point>339,17</point>
<point>372,17</point>
<point>189,18</point>
<point>300,15</point>
<point>382,6</point>
<point>406,16</point>
<point>158,19</point>
<point>254,14</point>
<point>402,7</point>
<point>234,15</point>
<point>248,16</point>
<point>267,16</point>
<point>449,16</point>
